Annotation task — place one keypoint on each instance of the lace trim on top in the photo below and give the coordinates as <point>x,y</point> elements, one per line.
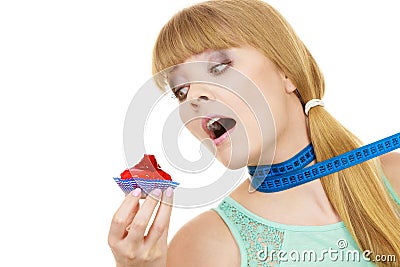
<point>255,235</point>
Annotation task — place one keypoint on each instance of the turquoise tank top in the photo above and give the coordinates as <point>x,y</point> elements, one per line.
<point>266,243</point>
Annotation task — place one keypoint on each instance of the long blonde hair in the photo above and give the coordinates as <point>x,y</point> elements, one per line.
<point>358,194</point>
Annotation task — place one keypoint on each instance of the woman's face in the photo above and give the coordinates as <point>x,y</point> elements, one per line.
<point>237,98</point>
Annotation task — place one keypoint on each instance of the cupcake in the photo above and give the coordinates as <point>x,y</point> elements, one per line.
<point>147,175</point>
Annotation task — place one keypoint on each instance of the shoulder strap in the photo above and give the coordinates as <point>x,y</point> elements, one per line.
<point>221,211</point>
<point>389,187</point>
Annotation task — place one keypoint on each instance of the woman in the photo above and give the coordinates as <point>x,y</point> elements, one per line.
<point>252,37</point>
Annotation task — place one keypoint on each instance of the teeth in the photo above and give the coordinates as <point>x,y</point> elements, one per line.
<point>210,122</point>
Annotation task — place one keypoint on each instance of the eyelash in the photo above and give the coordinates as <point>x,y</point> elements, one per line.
<point>226,64</point>
<point>177,90</point>
<point>211,71</point>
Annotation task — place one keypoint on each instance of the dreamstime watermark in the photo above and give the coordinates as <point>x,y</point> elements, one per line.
<point>339,254</point>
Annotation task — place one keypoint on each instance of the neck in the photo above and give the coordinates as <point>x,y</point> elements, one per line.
<point>276,177</point>
<point>293,152</point>
<point>290,141</point>
<point>294,137</point>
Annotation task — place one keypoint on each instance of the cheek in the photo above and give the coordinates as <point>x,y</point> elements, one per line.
<point>262,137</point>
<point>190,120</point>
<point>194,128</point>
<point>273,89</point>
<point>266,120</point>
<point>279,111</point>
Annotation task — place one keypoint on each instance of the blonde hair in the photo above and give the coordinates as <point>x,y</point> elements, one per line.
<point>358,194</point>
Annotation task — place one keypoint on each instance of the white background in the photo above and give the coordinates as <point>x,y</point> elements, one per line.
<point>68,71</point>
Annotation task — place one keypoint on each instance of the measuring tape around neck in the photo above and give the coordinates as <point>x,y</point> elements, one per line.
<point>275,183</point>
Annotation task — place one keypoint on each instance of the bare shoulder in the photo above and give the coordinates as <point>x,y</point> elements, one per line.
<point>204,241</point>
<point>391,168</point>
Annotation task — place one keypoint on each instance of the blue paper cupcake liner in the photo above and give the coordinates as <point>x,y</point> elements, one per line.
<point>146,185</point>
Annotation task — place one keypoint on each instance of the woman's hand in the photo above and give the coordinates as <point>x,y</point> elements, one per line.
<point>130,246</point>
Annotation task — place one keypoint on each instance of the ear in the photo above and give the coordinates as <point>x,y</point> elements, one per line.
<point>290,87</point>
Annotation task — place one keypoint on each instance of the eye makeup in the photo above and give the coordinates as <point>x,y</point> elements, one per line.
<point>218,61</point>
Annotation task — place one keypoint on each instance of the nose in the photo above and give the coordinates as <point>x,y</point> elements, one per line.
<point>199,94</point>
<point>195,103</point>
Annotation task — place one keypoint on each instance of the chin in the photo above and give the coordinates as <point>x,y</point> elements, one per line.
<point>232,159</point>
<point>235,165</point>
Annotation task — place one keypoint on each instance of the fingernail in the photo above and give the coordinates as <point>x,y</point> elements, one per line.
<point>156,192</point>
<point>169,192</point>
<point>136,192</point>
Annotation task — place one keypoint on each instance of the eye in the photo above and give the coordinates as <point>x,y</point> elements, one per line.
<point>219,68</point>
<point>181,92</point>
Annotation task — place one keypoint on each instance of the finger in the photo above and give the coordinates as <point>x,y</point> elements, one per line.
<point>163,240</point>
<point>143,195</point>
<point>131,216</point>
<point>142,218</point>
<point>121,218</point>
<point>159,228</point>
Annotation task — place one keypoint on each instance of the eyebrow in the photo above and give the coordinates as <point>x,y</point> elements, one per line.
<point>173,68</point>
<point>208,53</point>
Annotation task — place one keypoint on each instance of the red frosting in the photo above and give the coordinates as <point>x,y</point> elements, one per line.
<point>147,168</point>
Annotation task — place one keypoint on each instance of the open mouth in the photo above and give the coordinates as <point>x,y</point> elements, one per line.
<point>218,127</point>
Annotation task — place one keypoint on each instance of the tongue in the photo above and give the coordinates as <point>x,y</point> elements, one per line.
<point>221,126</point>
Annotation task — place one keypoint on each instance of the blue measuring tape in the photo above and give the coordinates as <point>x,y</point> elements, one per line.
<point>291,173</point>
<point>301,160</point>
